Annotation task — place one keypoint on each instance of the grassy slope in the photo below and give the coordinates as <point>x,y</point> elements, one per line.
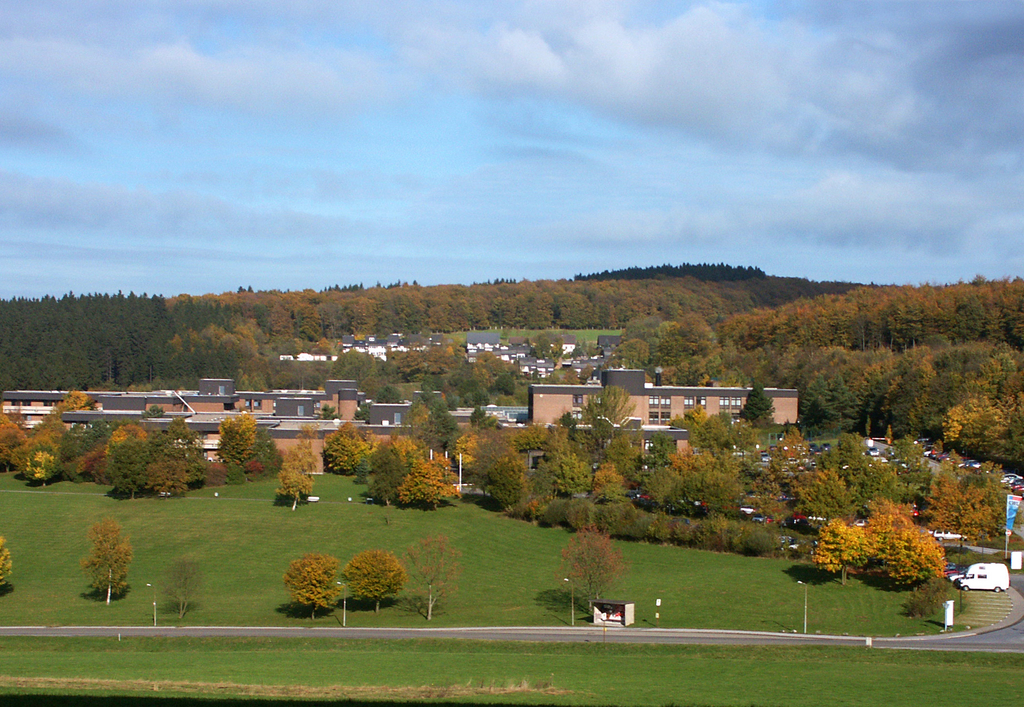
<point>589,674</point>
<point>244,544</point>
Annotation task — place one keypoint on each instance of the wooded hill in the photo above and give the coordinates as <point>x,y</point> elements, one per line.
<point>94,341</point>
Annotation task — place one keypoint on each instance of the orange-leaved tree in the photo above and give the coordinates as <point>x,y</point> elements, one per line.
<point>910,554</point>
<point>428,483</point>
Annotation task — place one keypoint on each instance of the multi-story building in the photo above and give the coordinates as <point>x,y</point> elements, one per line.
<point>653,404</point>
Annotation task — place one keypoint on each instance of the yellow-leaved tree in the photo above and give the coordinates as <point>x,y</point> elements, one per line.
<point>5,561</point>
<point>344,449</point>
<point>841,546</point>
<point>312,581</point>
<point>237,436</point>
<point>108,561</point>
<point>375,575</point>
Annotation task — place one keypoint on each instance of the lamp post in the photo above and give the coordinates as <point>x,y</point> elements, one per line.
<point>805,603</point>
<point>572,600</point>
<point>344,604</point>
<point>154,601</point>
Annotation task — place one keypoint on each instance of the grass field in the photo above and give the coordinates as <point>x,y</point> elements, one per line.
<point>243,543</point>
<point>466,672</point>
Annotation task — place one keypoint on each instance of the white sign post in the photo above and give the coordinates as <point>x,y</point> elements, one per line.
<point>948,616</point>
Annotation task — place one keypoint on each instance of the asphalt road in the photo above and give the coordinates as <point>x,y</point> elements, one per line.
<point>1005,637</point>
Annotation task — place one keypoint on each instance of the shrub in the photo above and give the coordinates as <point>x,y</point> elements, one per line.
<point>927,598</point>
<point>758,542</point>
<point>255,470</point>
<point>614,518</point>
<point>554,513</point>
<point>717,534</point>
<point>216,474</point>
<point>235,475</point>
<point>579,513</point>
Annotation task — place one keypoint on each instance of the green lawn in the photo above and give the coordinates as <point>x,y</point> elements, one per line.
<point>511,569</point>
<point>468,672</point>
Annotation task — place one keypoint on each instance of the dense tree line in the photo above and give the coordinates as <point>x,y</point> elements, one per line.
<point>85,342</point>
<point>704,271</point>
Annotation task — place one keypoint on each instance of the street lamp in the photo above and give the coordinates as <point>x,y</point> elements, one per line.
<point>572,599</point>
<point>344,604</point>
<point>154,601</point>
<point>805,604</point>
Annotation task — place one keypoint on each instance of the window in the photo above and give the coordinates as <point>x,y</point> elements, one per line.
<point>652,400</point>
<point>301,410</point>
<point>577,400</point>
<point>222,390</point>
<point>688,402</point>
<point>398,418</point>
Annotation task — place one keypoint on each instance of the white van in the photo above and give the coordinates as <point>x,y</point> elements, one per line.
<point>992,576</point>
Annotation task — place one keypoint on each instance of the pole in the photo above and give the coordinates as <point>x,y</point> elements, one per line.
<point>460,472</point>
<point>572,602</point>
<point>805,609</point>
<point>154,601</point>
<point>344,604</point>
<point>805,603</point>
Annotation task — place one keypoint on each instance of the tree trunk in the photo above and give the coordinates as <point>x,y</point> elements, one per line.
<point>110,576</point>
<point>376,607</point>
<point>430,602</point>
<point>295,502</point>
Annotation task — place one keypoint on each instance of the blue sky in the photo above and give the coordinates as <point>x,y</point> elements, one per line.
<point>199,146</point>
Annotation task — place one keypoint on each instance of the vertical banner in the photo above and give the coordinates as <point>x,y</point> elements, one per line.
<point>1012,504</point>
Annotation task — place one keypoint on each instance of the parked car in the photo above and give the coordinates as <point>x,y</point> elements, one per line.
<point>953,571</point>
<point>945,535</point>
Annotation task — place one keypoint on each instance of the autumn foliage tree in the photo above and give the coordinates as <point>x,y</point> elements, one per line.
<point>434,562</point>
<point>910,554</point>
<point>108,561</point>
<point>591,563</point>
<point>312,581</point>
<point>344,449</point>
<point>841,546</point>
<point>428,483</point>
<point>965,504</point>
<point>375,575</point>
<point>5,561</point>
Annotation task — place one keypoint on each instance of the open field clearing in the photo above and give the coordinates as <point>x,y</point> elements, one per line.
<point>243,544</point>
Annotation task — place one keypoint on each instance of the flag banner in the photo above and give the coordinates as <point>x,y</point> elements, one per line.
<point>1012,504</point>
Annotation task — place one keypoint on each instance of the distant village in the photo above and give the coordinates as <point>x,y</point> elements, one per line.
<point>517,350</point>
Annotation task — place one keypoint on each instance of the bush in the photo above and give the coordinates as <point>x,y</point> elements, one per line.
<point>758,542</point>
<point>717,534</point>
<point>255,471</point>
<point>554,514</point>
<point>235,475</point>
<point>579,513</point>
<point>614,518</point>
<point>927,598</point>
<point>216,474</point>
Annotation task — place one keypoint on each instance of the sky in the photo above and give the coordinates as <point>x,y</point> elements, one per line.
<point>204,145</point>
